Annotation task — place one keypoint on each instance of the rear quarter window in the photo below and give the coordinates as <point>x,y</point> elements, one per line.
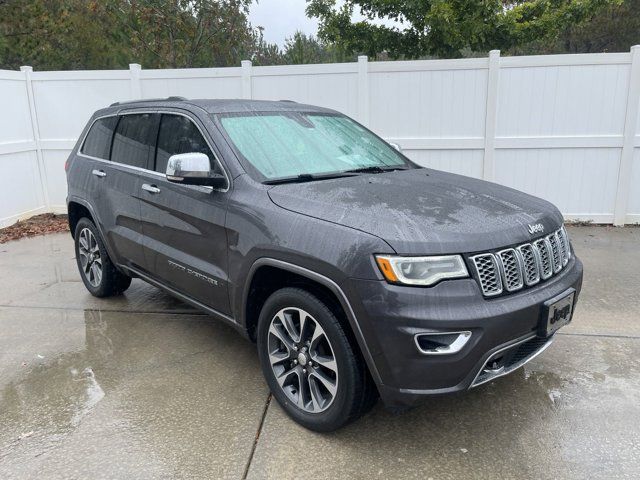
<point>98,141</point>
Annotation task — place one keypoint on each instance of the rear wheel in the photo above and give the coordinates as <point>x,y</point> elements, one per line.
<point>309,363</point>
<point>98,273</point>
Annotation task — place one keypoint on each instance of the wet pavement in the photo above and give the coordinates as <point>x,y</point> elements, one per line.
<point>143,386</point>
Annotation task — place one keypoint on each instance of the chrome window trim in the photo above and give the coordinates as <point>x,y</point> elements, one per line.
<point>153,172</point>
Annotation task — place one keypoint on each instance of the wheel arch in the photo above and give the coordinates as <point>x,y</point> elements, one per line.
<point>284,274</point>
<point>78,208</point>
<point>75,211</point>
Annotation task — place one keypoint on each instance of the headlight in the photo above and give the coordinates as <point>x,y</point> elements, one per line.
<point>423,271</point>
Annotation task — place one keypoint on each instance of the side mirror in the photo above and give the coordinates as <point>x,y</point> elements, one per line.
<point>193,169</point>
<point>396,146</point>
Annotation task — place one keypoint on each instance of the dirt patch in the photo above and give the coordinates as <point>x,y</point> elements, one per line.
<point>38,225</point>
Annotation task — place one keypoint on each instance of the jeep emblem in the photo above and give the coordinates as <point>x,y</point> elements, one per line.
<point>535,228</point>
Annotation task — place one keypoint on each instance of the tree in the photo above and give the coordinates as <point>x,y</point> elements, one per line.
<point>90,34</point>
<point>613,29</point>
<point>186,33</point>
<point>446,28</point>
<point>302,48</point>
<point>63,34</point>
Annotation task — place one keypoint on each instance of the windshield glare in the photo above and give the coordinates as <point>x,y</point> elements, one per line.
<point>288,144</point>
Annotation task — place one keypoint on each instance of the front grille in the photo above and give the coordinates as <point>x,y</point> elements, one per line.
<point>527,264</point>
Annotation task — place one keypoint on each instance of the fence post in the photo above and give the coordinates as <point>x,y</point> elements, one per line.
<point>628,145</point>
<point>136,88</point>
<point>246,79</point>
<point>488,164</point>
<point>363,90</point>
<point>35,129</point>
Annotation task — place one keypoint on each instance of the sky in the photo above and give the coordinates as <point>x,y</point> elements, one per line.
<point>281,19</point>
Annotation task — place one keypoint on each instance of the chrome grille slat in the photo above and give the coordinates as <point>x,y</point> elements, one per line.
<point>544,252</point>
<point>530,262</point>
<point>556,257</point>
<point>565,248</point>
<point>527,264</point>
<point>488,273</point>
<point>510,269</point>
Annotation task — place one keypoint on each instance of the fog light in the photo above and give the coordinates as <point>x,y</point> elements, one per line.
<point>441,343</point>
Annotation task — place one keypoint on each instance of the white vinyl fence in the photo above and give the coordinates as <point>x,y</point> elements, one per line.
<point>563,127</point>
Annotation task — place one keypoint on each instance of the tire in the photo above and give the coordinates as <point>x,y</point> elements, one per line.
<point>97,271</point>
<point>323,384</point>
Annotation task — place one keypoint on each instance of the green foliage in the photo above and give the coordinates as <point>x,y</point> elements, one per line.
<point>614,29</point>
<point>303,49</point>
<point>90,34</point>
<point>447,28</point>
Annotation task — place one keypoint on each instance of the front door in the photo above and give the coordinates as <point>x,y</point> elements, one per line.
<point>185,240</point>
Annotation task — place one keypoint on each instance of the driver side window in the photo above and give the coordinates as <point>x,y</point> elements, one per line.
<point>178,135</point>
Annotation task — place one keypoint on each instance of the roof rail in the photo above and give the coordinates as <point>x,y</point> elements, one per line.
<point>289,101</point>
<point>168,99</point>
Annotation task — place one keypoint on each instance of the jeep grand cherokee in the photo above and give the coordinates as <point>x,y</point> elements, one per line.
<point>357,272</point>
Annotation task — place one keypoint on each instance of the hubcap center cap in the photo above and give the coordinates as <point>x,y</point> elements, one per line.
<point>302,359</point>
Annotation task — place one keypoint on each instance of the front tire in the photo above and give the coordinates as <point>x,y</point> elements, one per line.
<point>310,365</point>
<point>98,273</point>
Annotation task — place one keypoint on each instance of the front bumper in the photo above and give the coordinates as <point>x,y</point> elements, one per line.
<point>390,316</point>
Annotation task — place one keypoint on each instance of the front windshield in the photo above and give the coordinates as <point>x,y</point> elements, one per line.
<point>288,144</point>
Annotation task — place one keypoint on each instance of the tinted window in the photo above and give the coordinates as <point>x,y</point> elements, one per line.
<point>98,141</point>
<point>134,141</point>
<point>177,135</point>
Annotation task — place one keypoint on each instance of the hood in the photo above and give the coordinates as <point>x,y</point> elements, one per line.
<point>423,211</point>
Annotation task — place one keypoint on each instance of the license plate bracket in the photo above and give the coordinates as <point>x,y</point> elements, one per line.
<point>556,313</point>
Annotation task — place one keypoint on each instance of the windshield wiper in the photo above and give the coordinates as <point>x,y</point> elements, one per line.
<point>306,177</point>
<point>375,169</point>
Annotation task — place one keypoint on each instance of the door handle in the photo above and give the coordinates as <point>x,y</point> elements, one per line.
<point>99,173</point>
<point>150,188</point>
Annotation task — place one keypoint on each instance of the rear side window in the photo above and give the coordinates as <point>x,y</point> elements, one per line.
<point>134,140</point>
<point>98,141</point>
<point>177,135</point>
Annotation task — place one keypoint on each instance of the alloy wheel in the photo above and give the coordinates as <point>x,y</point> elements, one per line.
<point>90,259</point>
<point>302,360</point>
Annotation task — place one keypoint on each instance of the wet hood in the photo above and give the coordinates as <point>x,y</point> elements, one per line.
<point>423,211</point>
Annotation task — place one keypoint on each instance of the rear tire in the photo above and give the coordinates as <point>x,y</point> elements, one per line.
<point>311,367</point>
<point>97,271</point>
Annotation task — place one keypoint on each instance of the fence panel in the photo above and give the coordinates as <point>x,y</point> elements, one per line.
<point>563,127</point>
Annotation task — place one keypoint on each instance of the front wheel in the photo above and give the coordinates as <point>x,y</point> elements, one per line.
<point>309,363</point>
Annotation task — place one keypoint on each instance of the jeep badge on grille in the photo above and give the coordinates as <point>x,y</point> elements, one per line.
<point>535,228</point>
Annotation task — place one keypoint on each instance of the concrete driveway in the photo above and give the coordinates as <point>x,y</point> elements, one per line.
<point>142,386</point>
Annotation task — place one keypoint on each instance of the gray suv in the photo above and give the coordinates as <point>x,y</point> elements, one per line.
<point>357,272</point>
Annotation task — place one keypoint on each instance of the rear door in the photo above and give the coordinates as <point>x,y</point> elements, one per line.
<point>132,151</point>
<point>184,226</point>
